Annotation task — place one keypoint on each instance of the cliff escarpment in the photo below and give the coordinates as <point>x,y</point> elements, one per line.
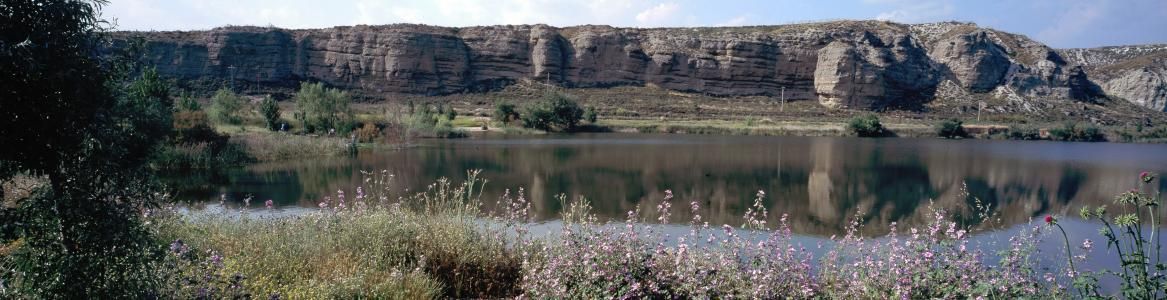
<point>846,64</point>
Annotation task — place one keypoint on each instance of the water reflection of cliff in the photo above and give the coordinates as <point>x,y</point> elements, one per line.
<point>820,182</point>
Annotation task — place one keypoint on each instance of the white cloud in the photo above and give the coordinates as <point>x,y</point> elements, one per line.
<point>664,13</point>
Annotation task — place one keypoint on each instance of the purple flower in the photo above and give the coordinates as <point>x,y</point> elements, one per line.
<point>268,203</point>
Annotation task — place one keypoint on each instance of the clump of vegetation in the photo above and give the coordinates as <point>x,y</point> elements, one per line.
<point>1077,132</point>
<point>1126,233</point>
<point>85,123</point>
<point>951,129</point>
<point>555,111</point>
<point>1142,134</point>
<point>866,125</point>
<point>590,114</point>
<point>271,113</point>
<point>505,113</point>
<point>427,121</point>
<point>1024,132</point>
<point>226,106</point>
<point>369,242</point>
<point>321,109</point>
<point>194,143</point>
<point>276,147</point>
<point>373,242</point>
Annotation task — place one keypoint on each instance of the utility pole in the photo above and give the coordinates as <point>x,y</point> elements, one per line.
<point>783,107</point>
<point>980,107</point>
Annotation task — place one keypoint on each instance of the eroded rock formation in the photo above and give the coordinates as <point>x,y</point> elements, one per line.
<point>852,64</point>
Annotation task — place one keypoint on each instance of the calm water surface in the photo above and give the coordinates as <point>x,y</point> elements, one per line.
<point>821,182</point>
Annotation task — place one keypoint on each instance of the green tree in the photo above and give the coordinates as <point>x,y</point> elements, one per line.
<point>951,128</point>
<point>554,111</point>
<point>866,125</point>
<point>73,117</point>
<point>505,112</point>
<point>271,113</point>
<point>322,109</point>
<point>225,106</point>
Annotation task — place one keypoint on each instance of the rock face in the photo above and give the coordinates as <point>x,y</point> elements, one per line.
<point>847,64</point>
<point>1135,73</point>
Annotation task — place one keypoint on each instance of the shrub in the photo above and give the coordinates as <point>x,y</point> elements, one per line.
<point>866,125</point>
<point>554,111</point>
<point>505,112</point>
<point>270,112</point>
<point>187,102</point>
<point>590,114</point>
<point>951,129</point>
<point>451,114</point>
<point>321,109</point>
<point>1024,132</point>
<point>225,106</point>
<point>368,133</point>
<point>1076,132</point>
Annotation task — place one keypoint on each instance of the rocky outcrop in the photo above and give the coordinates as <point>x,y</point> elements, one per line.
<point>847,64</point>
<point>874,74</point>
<point>1135,73</point>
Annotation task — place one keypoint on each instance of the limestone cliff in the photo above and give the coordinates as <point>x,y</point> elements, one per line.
<point>1135,73</point>
<point>853,64</point>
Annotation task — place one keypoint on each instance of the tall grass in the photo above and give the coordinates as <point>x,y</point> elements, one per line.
<point>265,146</point>
<point>376,242</point>
<point>374,245</point>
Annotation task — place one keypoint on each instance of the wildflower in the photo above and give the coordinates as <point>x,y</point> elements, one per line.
<point>1049,219</point>
<point>217,260</point>
<point>178,247</point>
<point>1147,176</point>
<point>268,203</point>
<point>1087,244</point>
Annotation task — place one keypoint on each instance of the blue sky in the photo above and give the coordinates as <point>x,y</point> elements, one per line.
<point>1059,23</point>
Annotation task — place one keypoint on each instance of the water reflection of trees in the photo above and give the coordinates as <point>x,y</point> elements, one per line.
<point>820,182</point>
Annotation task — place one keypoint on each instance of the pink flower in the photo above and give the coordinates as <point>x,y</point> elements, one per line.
<point>268,203</point>
<point>1049,219</point>
<point>1146,176</point>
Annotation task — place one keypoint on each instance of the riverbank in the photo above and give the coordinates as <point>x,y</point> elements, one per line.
<point>374,241</point>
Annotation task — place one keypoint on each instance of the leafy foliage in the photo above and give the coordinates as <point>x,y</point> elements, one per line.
<point>225,106</point>
<point>425,121</point>
<point>79,120</point>
<point>950,129</point>
<point>270,112</point>
<point>866,125</point>
<point>505,112</point>
<point>1076,132</point>
<point>1024,132</point>
<point>554,111</point>
<point>187,102</point>
<point>590,114</point>
<point>323,109</point>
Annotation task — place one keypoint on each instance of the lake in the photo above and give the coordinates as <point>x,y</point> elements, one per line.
<point>821,182</point>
